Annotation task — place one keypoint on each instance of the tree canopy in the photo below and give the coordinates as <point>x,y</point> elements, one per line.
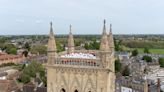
<point>135,52</point>
<point>30,71</point>
<point>27,46</point>
<point>146,50</point>
<point>126,71</point>
<point>117,65</point>
<point>92,45</point>
<point>147,58</point>
<point>10,48</point>
<point>161,62</point>
<point>41,49</point>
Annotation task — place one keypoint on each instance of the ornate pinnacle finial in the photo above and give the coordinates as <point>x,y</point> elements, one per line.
<point>51,23</point>
<point>51,29</point>
<point>70,27</point>
<point>104,21</point>
<point>70,41</point>
<point>110,28</point>
<point>104,28</point>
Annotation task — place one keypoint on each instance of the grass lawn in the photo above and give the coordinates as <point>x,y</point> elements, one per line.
<point>153,51</point>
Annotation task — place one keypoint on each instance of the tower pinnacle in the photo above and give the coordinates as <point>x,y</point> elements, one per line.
<point>110,28</point>
<point>51,49</point>
<point>71,46</point>
<point>104,21</point>
<point>110,39</point>
<point>51,23</point>
<point>104,39</point>
<point>70,29</point>
<point>104,27</point>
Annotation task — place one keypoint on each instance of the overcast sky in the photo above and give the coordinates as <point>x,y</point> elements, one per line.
<point>86,16</point>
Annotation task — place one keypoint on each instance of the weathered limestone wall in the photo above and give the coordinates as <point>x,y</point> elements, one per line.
<point>81,79</point>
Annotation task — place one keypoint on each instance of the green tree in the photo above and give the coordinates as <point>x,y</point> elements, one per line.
<point>146,50</point>
<point>59,47</point>
<point>25,53</point>
<point>117,65</point>
<point>161,62</point>
<point>116,45</point>
<point>12,51</point>
<point>41,49</point>
<point>96,45</point>
<point>27,46</point>
<point>86,46</point>
<point>147,58</point>
<point>24,78</point>
<point>126,71</point>
<point>30,72</point>
<point>3,40</point>
<point>135,52</point>
<point>92,45</point>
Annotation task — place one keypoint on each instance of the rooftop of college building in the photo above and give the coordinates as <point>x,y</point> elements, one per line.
<point>79,55</point>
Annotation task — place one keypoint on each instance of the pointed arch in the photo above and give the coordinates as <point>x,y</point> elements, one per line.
<point>63,80</point>
<point>89,87</point>
<point>75,84</point>
<point>62,90</point>
<point>76,90</point>
<point>62,83</point>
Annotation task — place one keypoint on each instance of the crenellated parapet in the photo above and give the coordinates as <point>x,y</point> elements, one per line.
<point>78,62</point>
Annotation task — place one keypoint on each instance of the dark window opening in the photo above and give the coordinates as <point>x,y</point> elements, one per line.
<point>62,90</point>
<point>76,91</point>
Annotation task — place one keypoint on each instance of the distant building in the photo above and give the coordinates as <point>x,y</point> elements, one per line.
<point>137,66</point>
<point>3,75</point>
<point>131,84</point>
<point>8,82</point>
<point>8,86</point>
<point>7,58</point>
<point>123,55</point>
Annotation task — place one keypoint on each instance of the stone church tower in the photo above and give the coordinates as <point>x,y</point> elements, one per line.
<point>81,70</point>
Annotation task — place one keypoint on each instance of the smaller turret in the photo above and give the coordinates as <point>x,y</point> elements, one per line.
<point>51,49</point>
<point>71,47</point>
<point>110,39</point>
<point>104,45</point>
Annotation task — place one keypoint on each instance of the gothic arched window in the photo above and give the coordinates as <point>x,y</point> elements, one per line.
<point>76,90</point>
<point>62,90</point>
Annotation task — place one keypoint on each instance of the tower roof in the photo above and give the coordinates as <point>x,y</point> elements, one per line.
<point>51,41</point>
<point>104,39</point>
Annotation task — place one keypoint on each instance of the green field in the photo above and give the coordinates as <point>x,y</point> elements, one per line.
<point>153,51</point>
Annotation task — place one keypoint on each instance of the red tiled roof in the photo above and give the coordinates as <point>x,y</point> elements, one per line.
<point>8,57</point>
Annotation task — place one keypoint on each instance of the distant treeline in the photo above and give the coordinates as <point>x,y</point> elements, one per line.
<point>144,44</point>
